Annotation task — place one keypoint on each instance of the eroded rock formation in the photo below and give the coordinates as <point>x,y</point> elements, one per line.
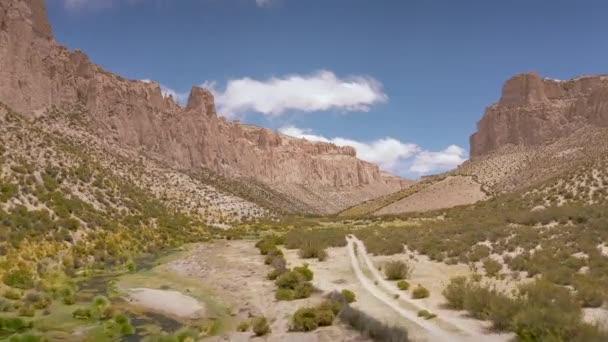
<point>533,111</point>
<point>36,73</point>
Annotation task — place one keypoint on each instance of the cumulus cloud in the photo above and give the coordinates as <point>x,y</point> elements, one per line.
<point>391,154</point>
<point>428,162</point>
<point>388,152</point>
<point>318,91</point>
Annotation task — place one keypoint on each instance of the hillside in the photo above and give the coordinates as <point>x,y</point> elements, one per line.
<point>539,130</point>
<point>37,75</point>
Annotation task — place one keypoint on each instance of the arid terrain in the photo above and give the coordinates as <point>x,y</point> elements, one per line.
<point>127,216</point>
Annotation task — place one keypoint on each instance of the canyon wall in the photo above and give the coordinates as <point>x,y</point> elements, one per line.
<point>533,111</point>
<point>36,74</point>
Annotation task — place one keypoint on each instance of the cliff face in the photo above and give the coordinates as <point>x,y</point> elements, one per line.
<point>36,73</point>
<point>533,111</point>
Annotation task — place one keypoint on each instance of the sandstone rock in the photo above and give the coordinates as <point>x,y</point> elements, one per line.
<point>37,74</point>
<point>533,111</point>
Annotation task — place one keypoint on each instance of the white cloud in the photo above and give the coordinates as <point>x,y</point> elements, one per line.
<point>388,153</point>
<point>263,3</point>
<point>391,154</point>
<point>181,98</point>
<point>431,162</point>
<point>319,91</point>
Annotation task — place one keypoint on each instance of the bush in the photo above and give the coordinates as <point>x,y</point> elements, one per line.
<point>289,280</point>
<point>396,270</point>
<point>308,319</point>
<point>371,327</point>
<point>13,325</point>
<point>82,314</point>
<point>260,326</point>
<point>310,251</point>
<point>420,292</point>
<point>403,285</point>
<point>426,314</point>
<point>274,274</point>
<point>305,272</point>
<point>303,290</point>
<point>492,267</point>
<point>19,278</point>
<point>12,294</point>
<point>27,310</point>
<point>455,292</point>
<point>284,294</point>
<point>349,296</point>
<point>243,326</point>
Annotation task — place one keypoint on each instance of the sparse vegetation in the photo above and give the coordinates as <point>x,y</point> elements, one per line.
<point>403,285</point>
<point>397,270</point>
<point>420,292</point>
<point>260,326</point>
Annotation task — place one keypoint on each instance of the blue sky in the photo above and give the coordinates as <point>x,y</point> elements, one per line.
<point>403,81</point>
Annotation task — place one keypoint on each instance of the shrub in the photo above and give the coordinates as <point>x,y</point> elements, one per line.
<point>455,292</point>
<point>27,310</point>
<point>82,314</point>
<point>420,292</point>
<point>284,294</point>
<point>492,267</point>
<point>303,290</point>
<point>310,251</point>
<point>589,293</point>
<point>12,294</point>
<point>426,314</point>
<point>260,326</point>
<point>289,280</point>
<point>19,278</point>
<point>403,285</point>
<point>305,272</point>
<point>349,296</point>
<point>371,327</point>
<point>243,326</point>
<point>308,319</point>
<point>13,325</point>
<point>396,270</point>
<point>304,319</point>
<point>333,304</point>
<point>274,274</point>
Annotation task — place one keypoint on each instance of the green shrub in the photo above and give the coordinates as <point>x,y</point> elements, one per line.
<point>19,278</point>
<point>289,280</point>
<point>403,285</point>
<point>397,270</point>
<point>82,314</point>
<point>305,272</point>
<point>426,314</point>
<point>492,267</point>
<point>303,290</point>
<point>455,292</point>
<point>310,251</point>
<point>349,296</point>
<point>13,325</point>
<point>285,294</point>
<point>309,319</point>
<point>243,326</point>
<point>260,326</point>
<point>27,310</point>
<point>13,294</point>
<point>420,292</point>
<point>274,274</point>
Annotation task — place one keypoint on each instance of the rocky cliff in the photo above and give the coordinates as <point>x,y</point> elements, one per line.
<point>533,111</point>
<point>36,74</point>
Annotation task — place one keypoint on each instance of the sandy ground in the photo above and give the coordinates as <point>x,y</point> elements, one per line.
<point>450,192</point>
<point>169,302</point>
<point>236,272</point>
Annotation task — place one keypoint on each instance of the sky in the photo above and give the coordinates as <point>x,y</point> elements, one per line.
<point>404,82</point>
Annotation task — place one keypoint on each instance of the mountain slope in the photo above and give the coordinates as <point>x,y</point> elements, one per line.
<point>539,130</point>
<point>37,74</point>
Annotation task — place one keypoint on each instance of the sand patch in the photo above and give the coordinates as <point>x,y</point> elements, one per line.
<point>167,301</point>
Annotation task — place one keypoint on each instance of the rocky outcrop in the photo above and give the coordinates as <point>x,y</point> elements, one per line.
<point>533,111</point>
<point>36,74</point>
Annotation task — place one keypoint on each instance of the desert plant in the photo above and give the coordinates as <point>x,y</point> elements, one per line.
<point>492,267</point>
<point>426,314</point>
<point>403,285</point>
<point>397,270</point>
<point>243,326</point>
<point>420,292</point>
<point>349,296</point>
<point>260,326</point>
